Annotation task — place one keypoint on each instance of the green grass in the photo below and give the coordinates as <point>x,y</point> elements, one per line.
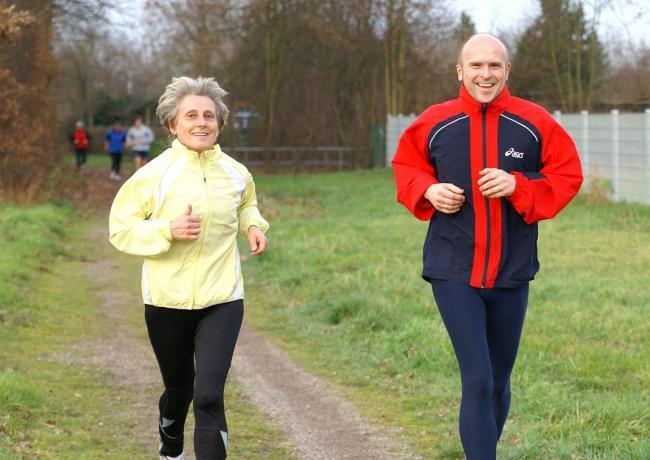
<point>52,405</point>
<point>103,159</point>
<point>340,289</point>
<point>49,407</point>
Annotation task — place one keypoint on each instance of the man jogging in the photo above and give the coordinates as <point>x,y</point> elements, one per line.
<point>483,169</point>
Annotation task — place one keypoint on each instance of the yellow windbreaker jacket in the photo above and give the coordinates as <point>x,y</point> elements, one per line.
<point>186,274</point>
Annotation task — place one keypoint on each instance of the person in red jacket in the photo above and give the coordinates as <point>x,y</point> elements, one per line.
<point>80,139</point>
<point>483,169</point>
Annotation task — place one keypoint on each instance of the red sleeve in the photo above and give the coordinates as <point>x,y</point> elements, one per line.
<point>543,195</point>
<point>413,171</point>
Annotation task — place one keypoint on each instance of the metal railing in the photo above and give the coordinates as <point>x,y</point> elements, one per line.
<point>297,158</point>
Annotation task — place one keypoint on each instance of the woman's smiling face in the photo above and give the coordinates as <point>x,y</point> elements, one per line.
<point>196,125</point>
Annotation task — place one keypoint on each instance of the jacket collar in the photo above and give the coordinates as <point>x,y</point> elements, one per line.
<point>192,155</point>
<point>472,105</point>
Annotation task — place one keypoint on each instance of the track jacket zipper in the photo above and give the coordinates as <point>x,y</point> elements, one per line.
<point>487,200</point>
<point>204,220</point>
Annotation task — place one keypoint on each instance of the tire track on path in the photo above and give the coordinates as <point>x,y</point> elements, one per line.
<point>321,423</point>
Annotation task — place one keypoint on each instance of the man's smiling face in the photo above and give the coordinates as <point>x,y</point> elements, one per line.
<point>483,67</point>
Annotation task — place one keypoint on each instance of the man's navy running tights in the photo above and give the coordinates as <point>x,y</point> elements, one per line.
<point>485,327</point>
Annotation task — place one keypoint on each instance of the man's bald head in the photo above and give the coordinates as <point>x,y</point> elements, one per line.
<point>483,67</point>
<point>482,40</point>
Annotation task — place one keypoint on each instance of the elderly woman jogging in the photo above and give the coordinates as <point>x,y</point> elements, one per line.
<point>182,212</point>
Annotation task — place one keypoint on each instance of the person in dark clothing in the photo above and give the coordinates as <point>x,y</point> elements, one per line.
<point>80,139</point>
<point>483,169</point>
<point>114,141</point>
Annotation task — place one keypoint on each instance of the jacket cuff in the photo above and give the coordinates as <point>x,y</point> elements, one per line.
<point>522,196</point>
<point>422,208</point>
<point>166,229</point>
<point>258,221</point>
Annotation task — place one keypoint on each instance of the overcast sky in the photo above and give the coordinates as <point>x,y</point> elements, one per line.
<point>624,20</point>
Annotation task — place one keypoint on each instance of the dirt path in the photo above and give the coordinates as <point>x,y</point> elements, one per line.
<point>317,420</point>
<point>128,359</point>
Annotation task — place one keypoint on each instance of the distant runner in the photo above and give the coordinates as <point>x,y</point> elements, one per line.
<point>80,139</point>
<point>139,137</point>
<point>114,141</point>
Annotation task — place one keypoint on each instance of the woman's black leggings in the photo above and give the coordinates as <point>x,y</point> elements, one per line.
<point>179,339</point>
<point>485,327</point>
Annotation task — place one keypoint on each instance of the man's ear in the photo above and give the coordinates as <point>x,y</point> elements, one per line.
<point>459,71</point>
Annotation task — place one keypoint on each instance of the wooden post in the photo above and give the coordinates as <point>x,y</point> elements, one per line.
<point>647,153</point>
<point>295,159</point>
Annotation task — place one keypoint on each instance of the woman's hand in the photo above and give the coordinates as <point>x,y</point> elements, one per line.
<point>187,226</point>
<point>446,198</point>
<point>257,240</point>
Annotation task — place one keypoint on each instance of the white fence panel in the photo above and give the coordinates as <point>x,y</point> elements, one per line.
<point>614,147</point>
<point>395,126</point>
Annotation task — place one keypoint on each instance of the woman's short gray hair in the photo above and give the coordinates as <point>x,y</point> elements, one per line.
<point>180,87</point>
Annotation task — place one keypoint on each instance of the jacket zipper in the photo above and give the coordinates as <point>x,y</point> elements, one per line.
<point>487,200</point>
<point>204,221</point>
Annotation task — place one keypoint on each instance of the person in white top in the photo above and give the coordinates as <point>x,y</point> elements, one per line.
<point>139,138</point>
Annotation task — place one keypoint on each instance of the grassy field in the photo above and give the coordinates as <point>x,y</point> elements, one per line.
<point>341,290</point>
<point>101,158</point>
<point>51,405</point>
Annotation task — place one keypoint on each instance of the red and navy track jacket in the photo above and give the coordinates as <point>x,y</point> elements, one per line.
<point>489,242</point>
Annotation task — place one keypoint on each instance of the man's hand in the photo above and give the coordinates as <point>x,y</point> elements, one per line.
<point>496,183</point>
<point>187,226</point>
<point>257,240</point>
<point>446,198</point>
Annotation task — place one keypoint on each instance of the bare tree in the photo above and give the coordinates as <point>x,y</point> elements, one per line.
<point>563,45</point>
<point>314,71</point>
<point>200,31</point>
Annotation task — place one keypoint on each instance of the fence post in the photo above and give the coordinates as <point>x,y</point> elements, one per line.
<point>378,137</point>
<point>557,114</point>
<point>297,161</point>
<point>584,116</point>
<point>647,153</point>
<point>614,156</point>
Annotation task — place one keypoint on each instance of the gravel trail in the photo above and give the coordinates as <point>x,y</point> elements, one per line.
<point>315,418</point>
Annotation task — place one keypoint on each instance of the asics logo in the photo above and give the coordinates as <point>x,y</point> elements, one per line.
<point>511,152</point>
